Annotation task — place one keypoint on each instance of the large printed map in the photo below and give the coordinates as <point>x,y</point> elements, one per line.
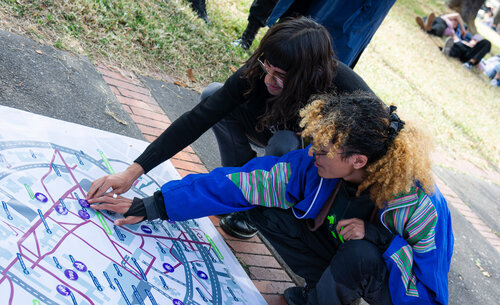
<point>56,250</point>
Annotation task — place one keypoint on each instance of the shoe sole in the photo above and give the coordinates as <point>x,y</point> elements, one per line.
<point>420,22</point>
<point>233,233</point>
<point>448,44</point>
<point>429,21</point>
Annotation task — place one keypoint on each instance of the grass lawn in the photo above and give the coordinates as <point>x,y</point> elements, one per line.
<point>402,64</point>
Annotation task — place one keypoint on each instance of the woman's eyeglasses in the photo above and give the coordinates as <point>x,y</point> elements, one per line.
<point>324,153</point>
<point>268,70</point>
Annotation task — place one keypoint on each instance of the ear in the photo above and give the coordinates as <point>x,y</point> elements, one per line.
<point>358,161</point>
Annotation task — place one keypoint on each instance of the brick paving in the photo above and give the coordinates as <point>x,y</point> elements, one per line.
<point>266,273</point>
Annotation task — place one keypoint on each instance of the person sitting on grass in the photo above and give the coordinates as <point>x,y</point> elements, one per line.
<point>356,214</point>
<point>469,52</point>
<point>444,25</point>
<point>491,68</point>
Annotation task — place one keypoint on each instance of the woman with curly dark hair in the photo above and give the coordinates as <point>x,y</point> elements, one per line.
<point>356,214</point>
<point>259,103</point>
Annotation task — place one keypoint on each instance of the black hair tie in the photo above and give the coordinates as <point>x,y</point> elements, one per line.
<point>395,124</point>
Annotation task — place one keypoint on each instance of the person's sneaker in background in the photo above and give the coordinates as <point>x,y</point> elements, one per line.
<point>420,22</point>
<point>467,65</point>
<point>429,21</point>
<point>448,44</point>
<point>246,39</point>
<point>495,82</point>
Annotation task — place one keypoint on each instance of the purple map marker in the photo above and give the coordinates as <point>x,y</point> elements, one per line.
<point>80,266</point>
<point>70,274</point>
<point>83,203</point>
<point>168,267</point>
<point>202,275</point>
<point>84,214</point>
<point>41,197</point>
<point>61,210</point>
<point>63,290</point>
<point>146,229</point>
<point>177,302</point>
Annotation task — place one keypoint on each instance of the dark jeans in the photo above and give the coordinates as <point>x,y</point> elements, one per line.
<point>438,26</point>
<point>235,132</point>
<point>466,53</point>
<point>338,275</point>
<point>260,11</point>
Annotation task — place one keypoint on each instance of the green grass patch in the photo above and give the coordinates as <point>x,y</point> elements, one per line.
<point>144,36</point>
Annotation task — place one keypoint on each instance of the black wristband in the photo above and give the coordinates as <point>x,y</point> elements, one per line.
<point>137,208</point>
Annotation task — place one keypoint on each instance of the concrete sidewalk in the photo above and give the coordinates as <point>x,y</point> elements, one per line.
<point>44,80</point>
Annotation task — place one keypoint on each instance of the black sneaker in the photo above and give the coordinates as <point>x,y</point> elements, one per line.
<point>296,295</point>
<point>200,8</point>
<point>238,225</point>
<point>246,39</point>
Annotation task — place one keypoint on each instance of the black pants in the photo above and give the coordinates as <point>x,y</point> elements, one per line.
<point>466,53</point>
<point>260,10</point>
<point>338,275</point>
<point>438,26</point>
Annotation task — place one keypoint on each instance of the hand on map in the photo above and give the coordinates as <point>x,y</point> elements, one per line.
<point>116,204</point>
<point>352,228</point>
<point>120,182</point>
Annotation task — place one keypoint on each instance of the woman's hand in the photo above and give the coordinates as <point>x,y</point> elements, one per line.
<point>120,182</point>
<point>352,228</point>
<point>118,204</point>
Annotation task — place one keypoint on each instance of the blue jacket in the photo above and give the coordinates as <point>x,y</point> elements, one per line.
<point>418,258</point>
<point>351,24</point>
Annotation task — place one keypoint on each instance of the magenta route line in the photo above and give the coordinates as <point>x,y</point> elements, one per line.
<point>113,243</point>
<point>33,253</point>
<point>11,297</point>
<point>62,281</point>
<point>37,244</point>
<point>104,255</point>
<point>71,173</point>
<point>117,251</point>
<point>56,246</point>
<point>13,228</point>
<point>7,269</point>
<point>206,289</point>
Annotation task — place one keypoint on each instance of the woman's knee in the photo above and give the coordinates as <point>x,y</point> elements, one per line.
<point>282,142</point>
<point>210,89</point>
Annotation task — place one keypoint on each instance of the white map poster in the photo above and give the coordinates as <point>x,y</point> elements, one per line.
<point>56,250</point>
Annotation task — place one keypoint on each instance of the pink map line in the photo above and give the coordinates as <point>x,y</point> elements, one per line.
<point>56,246</point>
<point>70,172</point>
<point>77,185</point>
<point>33,229</point>
<point>101,253</point>
<point>37,244</point>
<point>38,222</point>
<point>13,228</point>
<point>62,281</point>
<point>24,247</point>
<point>11,297</point>
<point>206,289</point>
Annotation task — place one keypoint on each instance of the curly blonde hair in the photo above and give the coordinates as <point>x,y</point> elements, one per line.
<point>359,123</point>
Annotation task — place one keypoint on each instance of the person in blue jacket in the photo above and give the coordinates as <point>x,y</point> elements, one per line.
<point>351,24</point>
<point>356,214</point>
